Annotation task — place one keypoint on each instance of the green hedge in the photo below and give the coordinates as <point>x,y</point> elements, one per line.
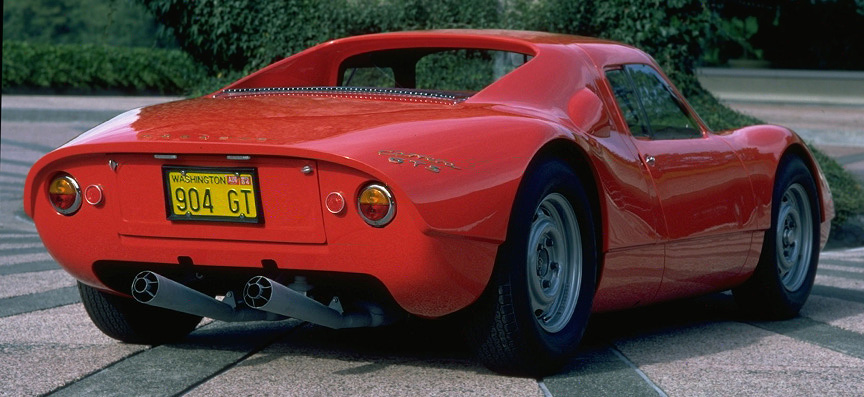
<point>87,67</point>
<point>245,35</point>
<point>674,32</point>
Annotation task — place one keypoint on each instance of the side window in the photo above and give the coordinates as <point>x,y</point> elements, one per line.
<point>649,106</point>
<point>665,113</point>
<point>628,102</point>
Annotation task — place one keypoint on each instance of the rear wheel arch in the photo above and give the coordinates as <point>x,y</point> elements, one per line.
<point>513,327</point>
<point>533,312</point>
<point>575,156</point>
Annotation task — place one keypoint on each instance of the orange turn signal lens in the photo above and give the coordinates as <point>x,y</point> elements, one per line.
<point>376,205</point>
<point>64,194</point>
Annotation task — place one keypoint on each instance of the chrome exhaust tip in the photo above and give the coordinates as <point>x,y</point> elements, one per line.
<point>257,291</point>
<point>153,289</point>
<point>265,294</point>
<point>145,286</point>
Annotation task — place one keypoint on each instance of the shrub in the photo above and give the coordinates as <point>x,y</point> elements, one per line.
<point>673,31</point>
<point>245,35</point>
<point>89,67</point>
<point>112,22</point>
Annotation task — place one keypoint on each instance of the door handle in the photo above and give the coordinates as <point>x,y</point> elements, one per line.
<point>649,159</point>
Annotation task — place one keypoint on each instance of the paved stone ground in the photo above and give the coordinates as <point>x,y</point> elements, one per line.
<point>693,347</point>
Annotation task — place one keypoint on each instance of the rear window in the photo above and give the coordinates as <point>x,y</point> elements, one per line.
<point>435,69</point>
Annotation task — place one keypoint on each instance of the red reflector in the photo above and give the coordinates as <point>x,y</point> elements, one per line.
<point>93,194</point>
<point>335,203</point>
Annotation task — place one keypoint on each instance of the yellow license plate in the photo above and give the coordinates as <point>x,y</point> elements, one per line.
<point>212,194</point>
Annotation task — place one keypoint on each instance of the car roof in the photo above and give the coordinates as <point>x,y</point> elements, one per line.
<point>538,44</point>
<point>532,37</point>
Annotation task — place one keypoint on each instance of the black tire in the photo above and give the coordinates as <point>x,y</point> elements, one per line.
<point>128,321</point>
<point>513,329</point>
<point>784,276</point>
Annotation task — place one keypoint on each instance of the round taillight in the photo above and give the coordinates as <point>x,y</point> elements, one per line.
<point>64,193</point>
<point>376,205</point>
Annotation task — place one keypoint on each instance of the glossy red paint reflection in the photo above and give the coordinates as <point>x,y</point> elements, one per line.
<point>690,220</point>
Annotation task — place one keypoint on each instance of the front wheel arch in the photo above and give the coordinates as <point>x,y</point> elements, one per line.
<point>800,151</point>
<point>784,276</point>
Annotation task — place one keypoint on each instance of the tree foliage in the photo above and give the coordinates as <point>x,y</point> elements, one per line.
<point>111,22</point>
<point>232,35</point>
<point>246,34</point>
<point>673,32</point>
<point>792,34</point>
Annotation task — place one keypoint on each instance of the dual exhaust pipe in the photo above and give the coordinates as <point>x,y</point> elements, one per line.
<point>264,299</point>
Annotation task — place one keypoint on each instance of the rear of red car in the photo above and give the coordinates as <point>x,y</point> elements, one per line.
<point>302,171</point>
<point>346,186</point>
<point>211,204</point>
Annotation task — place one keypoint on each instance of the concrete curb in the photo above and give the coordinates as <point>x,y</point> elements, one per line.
<point>784,86</point>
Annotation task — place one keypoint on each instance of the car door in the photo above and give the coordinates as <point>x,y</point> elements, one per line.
<point>705,194</point>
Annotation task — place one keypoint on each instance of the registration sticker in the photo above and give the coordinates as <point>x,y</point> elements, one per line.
<point>212,194</point>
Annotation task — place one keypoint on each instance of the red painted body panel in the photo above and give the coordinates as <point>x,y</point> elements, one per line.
<point>454,168</point>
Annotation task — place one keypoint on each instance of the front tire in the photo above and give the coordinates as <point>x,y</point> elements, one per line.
<point>129,321</point>
<point>534,311</point>
<point>784,276</point>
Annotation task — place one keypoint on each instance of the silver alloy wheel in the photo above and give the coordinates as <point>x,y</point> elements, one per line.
<point>794,239</point>
<point>554,263</point>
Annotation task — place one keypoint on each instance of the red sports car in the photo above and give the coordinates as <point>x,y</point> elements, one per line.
<point>526,178</point>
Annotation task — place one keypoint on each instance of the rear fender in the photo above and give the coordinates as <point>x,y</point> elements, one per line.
<point>463,180</point>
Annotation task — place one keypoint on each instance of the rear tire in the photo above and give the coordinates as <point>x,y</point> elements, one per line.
<point>129,321</point>
<point>536,307</point>
<point>784,276</point>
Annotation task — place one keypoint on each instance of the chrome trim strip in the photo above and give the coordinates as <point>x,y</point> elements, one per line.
<point>348,90</point>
